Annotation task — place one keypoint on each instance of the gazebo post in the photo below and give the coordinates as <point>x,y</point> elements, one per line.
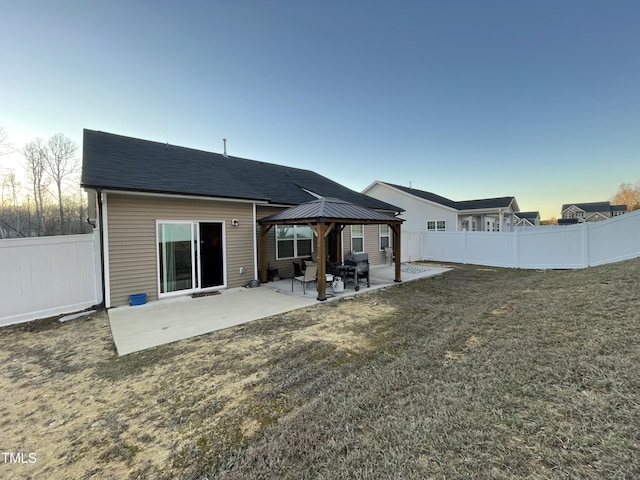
<point>396,250</point>
<point>322,262</point>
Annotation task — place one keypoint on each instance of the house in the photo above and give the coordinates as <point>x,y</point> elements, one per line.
<point>573,213</point>
<point>428,211</point>
<point>176,221</point>
<point>527,219</point>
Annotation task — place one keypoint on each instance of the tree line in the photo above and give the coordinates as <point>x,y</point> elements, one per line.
<point>50,202</point>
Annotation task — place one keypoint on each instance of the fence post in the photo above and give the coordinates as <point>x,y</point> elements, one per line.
<point>464,246</point>
<point>585,243</point>
<point>516,249</point>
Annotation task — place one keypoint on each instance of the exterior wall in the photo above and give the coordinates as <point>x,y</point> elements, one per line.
<point>285,267</point>
<point>371,243</point>
<point>132,242</point>
<point>417,211</point>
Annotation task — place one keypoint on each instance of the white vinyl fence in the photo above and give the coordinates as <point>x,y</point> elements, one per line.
<point>45,276</point>
<point>570,246</point>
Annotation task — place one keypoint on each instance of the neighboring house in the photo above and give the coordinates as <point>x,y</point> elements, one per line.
<point>177,221</point>
<point>431,212</point>
<point>527,219</point>
<point>573,213</point>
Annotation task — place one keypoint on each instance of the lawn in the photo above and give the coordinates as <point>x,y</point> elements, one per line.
<point>478,373</point>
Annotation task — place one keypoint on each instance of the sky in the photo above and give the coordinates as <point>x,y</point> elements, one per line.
<point>466,99</point>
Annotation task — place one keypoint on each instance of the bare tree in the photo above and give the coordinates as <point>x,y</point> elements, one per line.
<point>60,162</point>
<point>10,216</point>
<point>35,153</point>
<point>5,146</point>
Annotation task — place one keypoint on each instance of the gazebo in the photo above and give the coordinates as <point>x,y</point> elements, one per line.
<point>324,215</point>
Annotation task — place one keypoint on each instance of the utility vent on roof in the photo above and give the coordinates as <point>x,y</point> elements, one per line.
<point>224,141</point>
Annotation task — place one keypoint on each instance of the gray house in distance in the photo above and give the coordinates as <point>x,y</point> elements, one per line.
<point>527,219</point>
<point>573,213</point>
<point>176,221</point>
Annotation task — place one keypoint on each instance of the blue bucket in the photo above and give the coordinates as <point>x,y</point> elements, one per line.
<point>137,299</point>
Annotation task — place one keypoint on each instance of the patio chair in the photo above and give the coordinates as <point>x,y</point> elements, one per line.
<point>309,275</point>
<point>390,257</point>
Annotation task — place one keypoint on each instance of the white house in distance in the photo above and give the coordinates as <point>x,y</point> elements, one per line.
<point>431,212</point>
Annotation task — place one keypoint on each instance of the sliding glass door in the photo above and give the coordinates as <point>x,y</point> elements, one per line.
<point>176,248</point>
<point>190,256</point>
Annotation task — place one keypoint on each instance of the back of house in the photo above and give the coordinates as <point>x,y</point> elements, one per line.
<point>175,220</point>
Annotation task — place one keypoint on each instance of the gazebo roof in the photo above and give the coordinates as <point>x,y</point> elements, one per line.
<point>329,210</point>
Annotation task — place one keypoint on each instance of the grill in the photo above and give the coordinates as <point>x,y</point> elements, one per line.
<point>356,267</point>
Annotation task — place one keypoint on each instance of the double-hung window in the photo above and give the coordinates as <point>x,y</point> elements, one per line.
<point>385,236</point>
<point>357,238</point>
<point>436,225</point>
<point>293,241</point>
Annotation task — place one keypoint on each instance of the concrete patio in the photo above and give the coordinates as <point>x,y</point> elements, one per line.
<point>165,321</point>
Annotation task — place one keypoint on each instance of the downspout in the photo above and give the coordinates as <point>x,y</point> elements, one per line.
<point>101,227</point>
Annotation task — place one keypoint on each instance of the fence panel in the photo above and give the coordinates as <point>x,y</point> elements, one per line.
<point>571,246</point>
<point>444,246</point>
<point>614,240</point>
<point>412,243</point>
<point>552,247</point>
<point>487,248</point>
<point>47,276</point>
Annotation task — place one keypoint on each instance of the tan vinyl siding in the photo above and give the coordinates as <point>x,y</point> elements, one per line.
<point>285,267</point>
<point>371,243</point>
<point>133,243</point>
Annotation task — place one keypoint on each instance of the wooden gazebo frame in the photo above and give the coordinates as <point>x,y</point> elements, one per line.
<point>323,216</point>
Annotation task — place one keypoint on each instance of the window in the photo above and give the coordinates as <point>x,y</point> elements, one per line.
<point>385,236</point>
<point>357,238</point>
<point>293,241</point>
<point>436,226</point>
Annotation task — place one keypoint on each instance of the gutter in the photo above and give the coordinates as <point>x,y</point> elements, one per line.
<point>101,227</point>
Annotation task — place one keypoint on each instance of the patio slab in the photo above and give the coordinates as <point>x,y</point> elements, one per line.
<point>164,321</point>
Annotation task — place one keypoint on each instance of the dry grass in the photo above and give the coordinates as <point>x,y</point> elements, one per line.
<point>478,373</point>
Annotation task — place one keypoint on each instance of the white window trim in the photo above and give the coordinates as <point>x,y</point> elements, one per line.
<point>380,236</point>
<point>357,236</point>
<point>435,224</point>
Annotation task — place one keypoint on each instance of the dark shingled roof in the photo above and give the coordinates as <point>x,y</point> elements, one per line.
<point>425,195</point>
<point>500,202</point>
<point>589,207</point>
<point>325,209</point>
<point>117,162</point>
<point>528,215</point>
